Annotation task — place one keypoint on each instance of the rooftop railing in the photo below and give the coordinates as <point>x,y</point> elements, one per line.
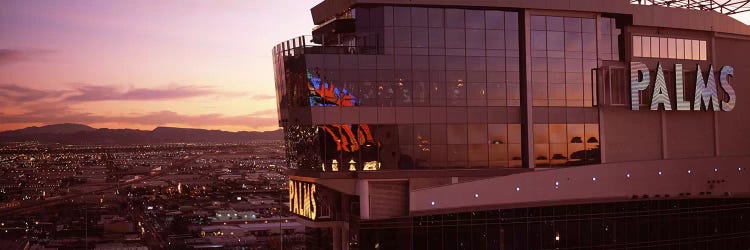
<point>727,7</point>
<point>303,45</point>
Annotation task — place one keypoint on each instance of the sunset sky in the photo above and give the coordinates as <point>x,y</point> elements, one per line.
<point>144,63</point>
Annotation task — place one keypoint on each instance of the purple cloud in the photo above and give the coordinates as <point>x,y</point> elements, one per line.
<point>15,93</point>
<point>8,56</point>
<point>87,93</point>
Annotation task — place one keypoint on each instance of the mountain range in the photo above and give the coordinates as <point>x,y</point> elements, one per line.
<point>70,133</point>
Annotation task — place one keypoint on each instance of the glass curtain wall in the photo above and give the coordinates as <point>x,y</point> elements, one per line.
<point>564,51</point>
<point>443,93</point>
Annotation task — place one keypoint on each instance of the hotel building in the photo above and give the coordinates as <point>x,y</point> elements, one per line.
<point>519,124</point>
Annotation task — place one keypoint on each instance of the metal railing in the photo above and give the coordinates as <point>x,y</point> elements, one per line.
<point>728,7</point>
<point>302,45</point>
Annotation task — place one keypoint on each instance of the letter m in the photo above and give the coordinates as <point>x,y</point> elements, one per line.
<point>705,93</point>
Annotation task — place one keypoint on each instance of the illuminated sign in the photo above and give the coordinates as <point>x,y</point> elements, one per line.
<point>302,199</point>
<point>706,94</point>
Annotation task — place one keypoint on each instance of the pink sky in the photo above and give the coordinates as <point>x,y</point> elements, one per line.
<point>143,63</point>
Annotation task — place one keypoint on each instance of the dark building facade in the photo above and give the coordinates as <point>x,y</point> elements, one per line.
<point>538,124</point>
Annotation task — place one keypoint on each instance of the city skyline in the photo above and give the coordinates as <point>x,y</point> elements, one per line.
<point>141,65</point>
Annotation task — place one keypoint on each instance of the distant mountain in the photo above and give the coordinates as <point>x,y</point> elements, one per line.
<point>81,134</point>
<point>65,128</point>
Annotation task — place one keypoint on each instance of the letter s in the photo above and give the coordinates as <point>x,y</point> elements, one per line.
<point>727,71</point>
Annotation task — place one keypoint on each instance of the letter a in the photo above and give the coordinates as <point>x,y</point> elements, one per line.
<point>661,94</point>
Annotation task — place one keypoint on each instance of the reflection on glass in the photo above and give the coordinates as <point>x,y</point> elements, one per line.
<point>450,59</point>
<point>326,94</point>
<point>566,144</point>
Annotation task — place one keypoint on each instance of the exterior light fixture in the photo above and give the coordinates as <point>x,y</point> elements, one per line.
<point>690,171</point>
<point>518,189</point>
<point>627,175</point>
<point>593,178</point>
<point>476,195</point>
<point>659,172</point>
<point>432,203</point>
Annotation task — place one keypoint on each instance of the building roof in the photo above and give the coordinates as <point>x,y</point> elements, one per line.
<point>728,7</point>
<point>652,15</point>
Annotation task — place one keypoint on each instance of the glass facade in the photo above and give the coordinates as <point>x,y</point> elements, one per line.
<point>648,224</point>
<point>564,51</point>
<point>442,90</point>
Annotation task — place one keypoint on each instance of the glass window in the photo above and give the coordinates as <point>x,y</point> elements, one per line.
<point>696,50</point>
<point>455,63</point>
<point>457,155</point>
<point>402,37</point>
<point>555,23</point>
<point>573,24</point>
<point>495,39</point>
<point>555,41</point>
<point>688,50</point>
<point>388,16</point>
<point>663,47</point>
<point>538,64</point>
<point>457,133</point>
<point>589,42</point>
<point>477,133</point>
<point>539,40</point>
<point>438,93</point>
<point>588,25</point>
<point>476,63</point>
<point>703,50</point>
<point>494,19</point>
<point>538,23</point>
<point>496,91</point>
<point>435,17</point>
<point>436,38</point>
<point>511,39</point>
<point>419,37</point>
<point>511,21</point>
<point>477,93</point>
<point>573,41</point>
<point>495,63</point>
<point>455,38</point>
<point>454,18</point>
<point>646,45</point>
<point>672,48</point>
<point>475,19</point>
<point>680,47</point>
<point>402,16</point>
<point>419,17</point>
<point>655,47</point>
<point>637,46</point>
<point>421,93</point>
<point>475,39</point>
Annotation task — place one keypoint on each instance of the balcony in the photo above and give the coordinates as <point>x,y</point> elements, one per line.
<point>305,45</point>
